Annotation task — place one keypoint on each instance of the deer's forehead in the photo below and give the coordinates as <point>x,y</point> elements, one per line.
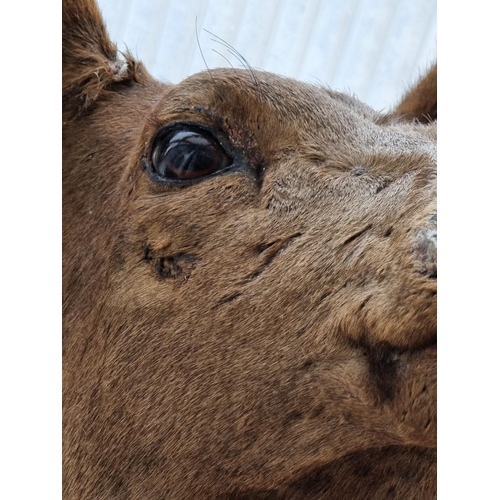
<point>264,97</point>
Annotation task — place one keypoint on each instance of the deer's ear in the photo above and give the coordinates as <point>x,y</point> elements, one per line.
<point>91,62</point>
<point>421,101</point>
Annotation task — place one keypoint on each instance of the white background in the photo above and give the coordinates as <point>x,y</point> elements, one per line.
<point>372,48</point>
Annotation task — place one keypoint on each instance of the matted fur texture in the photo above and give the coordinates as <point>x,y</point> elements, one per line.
<point>269,332</point>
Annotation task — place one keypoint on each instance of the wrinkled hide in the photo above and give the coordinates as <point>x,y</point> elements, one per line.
<point>266,332</point>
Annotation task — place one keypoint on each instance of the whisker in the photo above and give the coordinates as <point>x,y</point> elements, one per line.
<point>199,46</point>
<point>230,48</point>
<point>228,61</point>
<point>237,54</point>
<point>203,57</point>
<point>231,51</point>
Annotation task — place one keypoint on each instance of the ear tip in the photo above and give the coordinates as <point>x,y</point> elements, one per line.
<point>91,61</point>
<point>420,102</point>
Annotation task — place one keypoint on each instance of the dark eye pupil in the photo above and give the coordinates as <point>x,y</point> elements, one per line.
<point>187,154</point>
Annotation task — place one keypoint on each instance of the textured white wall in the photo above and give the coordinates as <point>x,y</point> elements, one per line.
<point>372,48</point>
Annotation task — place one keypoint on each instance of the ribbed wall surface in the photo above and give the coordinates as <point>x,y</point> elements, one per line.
<point>372,48</point>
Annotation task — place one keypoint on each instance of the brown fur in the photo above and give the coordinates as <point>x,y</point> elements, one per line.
<point>265,333</point>
<point>421,102</point>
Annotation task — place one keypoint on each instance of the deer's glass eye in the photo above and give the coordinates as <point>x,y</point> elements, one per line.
<point>186,154</point>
